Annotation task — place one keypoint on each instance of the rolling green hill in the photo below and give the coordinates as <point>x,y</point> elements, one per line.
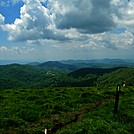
<point>118,76</point>
<point>106,77</point>
<point>31,76</point>
<point>94,71</point>
<point>25,76</point>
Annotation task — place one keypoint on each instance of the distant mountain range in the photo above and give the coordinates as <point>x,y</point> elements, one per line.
<point>76,64</point>
<point>57,64</point>
<point>6,62</point>
<point>34,63</point>
<point>95,63</point>
<point>101,63</point>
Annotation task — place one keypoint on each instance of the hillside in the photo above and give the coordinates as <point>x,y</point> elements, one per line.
<point>94,71</point>
<point>105,77</point>
<point>15,75</point>
<point>118,76</point>
<point>67,110</point>
<point>24,76</point>
<point>31,76</point>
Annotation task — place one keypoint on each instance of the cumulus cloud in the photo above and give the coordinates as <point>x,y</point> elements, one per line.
<point>33,22</point>
<point>81,24</point>
<point>124,15</point>
<point>90,16</point>
<point>118,41</point>
<point>107,40</point>
<point>56,22</point>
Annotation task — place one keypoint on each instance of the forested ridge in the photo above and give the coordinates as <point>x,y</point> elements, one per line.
<point>30,76</point>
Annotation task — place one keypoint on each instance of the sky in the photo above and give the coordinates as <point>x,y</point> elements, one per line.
<point>42,30</point>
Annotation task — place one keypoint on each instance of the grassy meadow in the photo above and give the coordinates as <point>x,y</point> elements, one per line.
<point>69,110</point>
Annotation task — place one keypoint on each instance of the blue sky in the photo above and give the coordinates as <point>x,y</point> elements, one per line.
<point>40,30</point>
<point>11,12</point>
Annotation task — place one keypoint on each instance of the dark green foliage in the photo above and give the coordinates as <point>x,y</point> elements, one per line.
<point>28,76</point>
<point>28,115</point>
<point>92,71</point>
<point>11,122</point>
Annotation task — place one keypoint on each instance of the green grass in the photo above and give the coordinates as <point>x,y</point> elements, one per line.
<point>30,111</point>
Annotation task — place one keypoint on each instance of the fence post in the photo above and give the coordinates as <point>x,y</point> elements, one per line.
<point>45,131</point>
<point>117,98</point>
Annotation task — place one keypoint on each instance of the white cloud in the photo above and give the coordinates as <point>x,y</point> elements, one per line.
<point>118,41</point>
<point>107,40</point>
<point>16,50</point>
<point>124,15</point>
<point>2,19</point>
<point>72,26</point>
<point>33,23</point>
<point>87,16</point>
<point>3,49</point>
<point>36,23</point>
<point>63,20</point>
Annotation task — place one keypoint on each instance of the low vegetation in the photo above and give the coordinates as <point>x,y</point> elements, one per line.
<point>86,110</point>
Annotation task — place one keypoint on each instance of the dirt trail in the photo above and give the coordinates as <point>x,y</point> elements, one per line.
<point>77,116</point>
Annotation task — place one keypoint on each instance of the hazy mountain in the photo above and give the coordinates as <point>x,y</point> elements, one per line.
<point>100,63</point>
<point>93,63</point>
<point>57,64</point>
<point>34,63</point>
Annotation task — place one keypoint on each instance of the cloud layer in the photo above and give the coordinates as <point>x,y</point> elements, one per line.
<point>90,16</point>
<point>124,15</point>
<point>74,25</point>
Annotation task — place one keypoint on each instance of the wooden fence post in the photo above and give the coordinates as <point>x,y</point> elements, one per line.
<point>117,98</point>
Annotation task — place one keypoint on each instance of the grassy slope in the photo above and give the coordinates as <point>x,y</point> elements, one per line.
<point>116,77</point>
<point>31,111</point>
<point>102,121</point>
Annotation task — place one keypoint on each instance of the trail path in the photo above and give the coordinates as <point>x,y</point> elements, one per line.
<point>77,115</point>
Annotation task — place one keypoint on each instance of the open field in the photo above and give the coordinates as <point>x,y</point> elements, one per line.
<point>69,110</point>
